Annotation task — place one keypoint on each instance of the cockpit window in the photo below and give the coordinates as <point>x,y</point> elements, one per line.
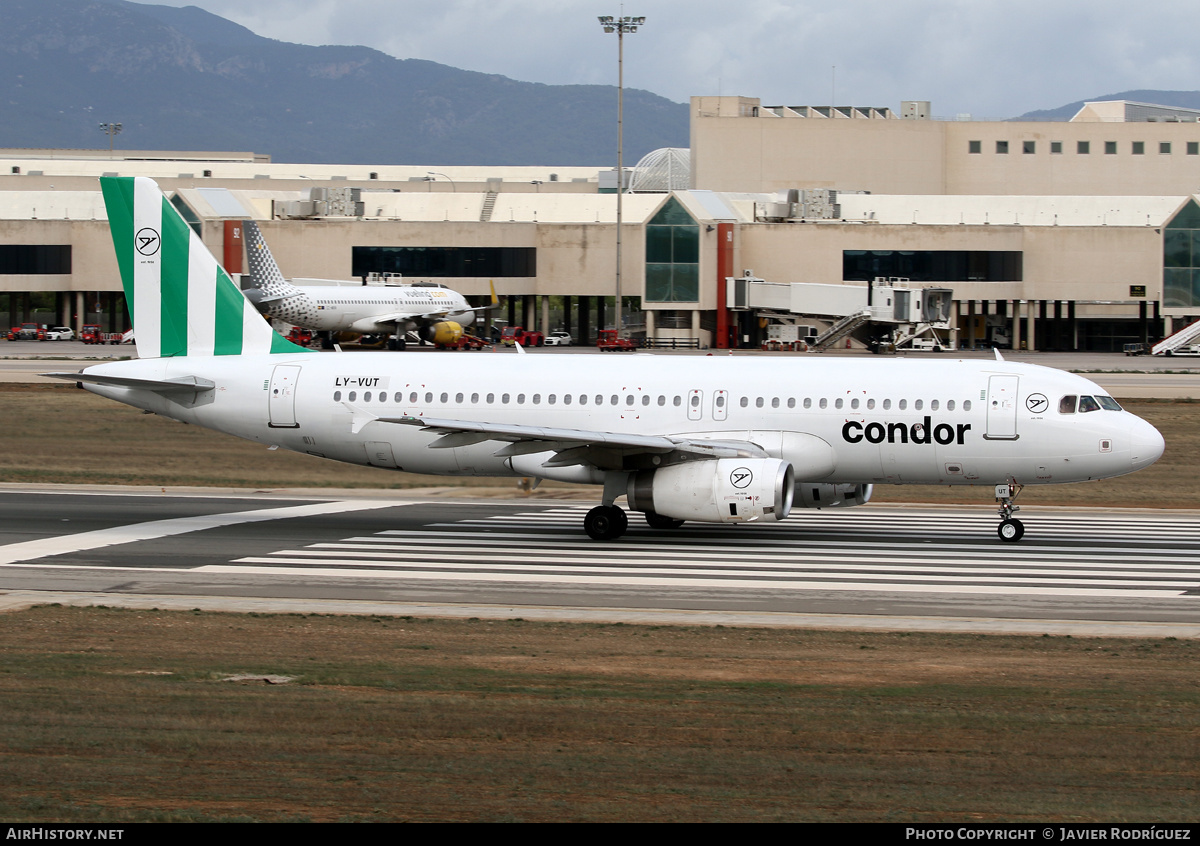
<point>1066,405</point>
<point>1108,403</point>
<point>1087,404</point>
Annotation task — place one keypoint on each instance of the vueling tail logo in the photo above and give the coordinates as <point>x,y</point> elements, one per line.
<point>181,301</point>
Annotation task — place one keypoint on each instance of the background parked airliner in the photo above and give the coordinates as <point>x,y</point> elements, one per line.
<point>712,439</point>
<point>435,312</point>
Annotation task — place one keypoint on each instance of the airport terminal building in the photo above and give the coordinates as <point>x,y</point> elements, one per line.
<point>1070,235</point>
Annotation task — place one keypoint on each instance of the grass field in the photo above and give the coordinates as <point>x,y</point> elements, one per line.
<point>120,715</point>
<point>58,434</point>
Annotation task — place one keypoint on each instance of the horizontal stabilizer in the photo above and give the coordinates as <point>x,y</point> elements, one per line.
<point>182,384</point>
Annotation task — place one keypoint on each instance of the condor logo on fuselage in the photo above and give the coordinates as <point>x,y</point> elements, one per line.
<point>900,433</point>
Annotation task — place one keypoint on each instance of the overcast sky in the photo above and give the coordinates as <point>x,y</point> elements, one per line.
<point>988,58</point>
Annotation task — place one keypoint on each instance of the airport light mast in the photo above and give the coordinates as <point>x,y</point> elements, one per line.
<point>111,130</point>
<point>620,26</point>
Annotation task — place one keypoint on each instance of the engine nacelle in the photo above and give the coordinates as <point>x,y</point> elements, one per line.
<point>725,490</point>
<point>443,332</point>
<point>822,495</point>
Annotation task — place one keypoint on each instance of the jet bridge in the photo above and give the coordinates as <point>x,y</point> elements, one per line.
<point>884,312</point>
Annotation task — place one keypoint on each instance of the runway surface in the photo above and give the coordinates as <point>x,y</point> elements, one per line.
<point>881,567</point>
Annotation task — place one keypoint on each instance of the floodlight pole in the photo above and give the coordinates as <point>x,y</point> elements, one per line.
<point>110,129</point>
<point>620,26</point>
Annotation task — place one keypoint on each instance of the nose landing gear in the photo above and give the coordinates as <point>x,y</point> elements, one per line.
<point>1010,530</point>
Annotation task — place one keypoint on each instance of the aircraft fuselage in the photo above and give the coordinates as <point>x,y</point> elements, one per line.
<point>836,420</point>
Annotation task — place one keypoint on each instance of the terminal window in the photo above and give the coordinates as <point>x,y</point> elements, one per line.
<point>934,265</point>
<point>445,262</point>
<point>974,146</point>
<point>1002,147</point>
<point>1028,147</point>
<point>1164,148</point>
<point>1055,146</point>
<point>1139,148</point>
<point>1110,148</point>
<point>672,256</point>
<point>35,259</point>
<point>1083,147</point>
<point>1181,258</point>
<point>1193,148</point>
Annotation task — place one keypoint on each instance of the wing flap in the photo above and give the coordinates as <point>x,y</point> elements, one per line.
<point>571,445</point>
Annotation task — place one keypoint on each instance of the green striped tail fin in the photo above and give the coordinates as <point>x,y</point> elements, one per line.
<point>181,301</point>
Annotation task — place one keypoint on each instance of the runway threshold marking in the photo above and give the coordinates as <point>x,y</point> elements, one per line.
<point>28,550</point>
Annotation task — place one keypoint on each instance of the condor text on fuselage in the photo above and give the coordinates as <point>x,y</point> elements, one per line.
<point>923,432</point>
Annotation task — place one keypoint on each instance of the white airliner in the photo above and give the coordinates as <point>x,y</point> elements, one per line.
<point>435,312</point>
<point>712,439</point>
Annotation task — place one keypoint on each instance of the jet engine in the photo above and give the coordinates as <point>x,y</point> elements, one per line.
<point>724,490</point>
<point>821,495</point>
<point>442,332</point>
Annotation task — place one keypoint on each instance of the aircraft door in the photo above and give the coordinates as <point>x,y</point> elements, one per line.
<point>695,402</point>
<point>720,404</point>
<point>1002,408</point>
<point>281,405</point>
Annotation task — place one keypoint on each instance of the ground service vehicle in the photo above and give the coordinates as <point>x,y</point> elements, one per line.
<point>518,335</point>
<point>26,332</point>
<point>91,334</point>
<point>609,342</point>
<point>466,342</point>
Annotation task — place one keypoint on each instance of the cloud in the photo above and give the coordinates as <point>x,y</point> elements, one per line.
<point>984,57</point>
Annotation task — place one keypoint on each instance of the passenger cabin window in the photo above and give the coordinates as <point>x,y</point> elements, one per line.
<point>1066,405</point>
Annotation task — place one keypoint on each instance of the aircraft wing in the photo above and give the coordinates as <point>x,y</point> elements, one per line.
<point>402,316</point>
<point>571,446</point>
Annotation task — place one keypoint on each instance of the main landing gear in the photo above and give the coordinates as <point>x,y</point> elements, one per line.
<point>1010,529</point>
<point>609,522</point>
<point>606,522</point>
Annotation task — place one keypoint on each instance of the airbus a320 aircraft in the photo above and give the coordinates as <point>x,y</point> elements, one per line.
<point>435,312</point>
<point>710,439</point>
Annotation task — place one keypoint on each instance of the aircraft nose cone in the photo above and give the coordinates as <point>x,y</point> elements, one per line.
<point>1146,444</point>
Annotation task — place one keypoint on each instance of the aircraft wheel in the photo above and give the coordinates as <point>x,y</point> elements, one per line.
<point>658,521</point>
<point>605,522</point>
<point>1011,530</point>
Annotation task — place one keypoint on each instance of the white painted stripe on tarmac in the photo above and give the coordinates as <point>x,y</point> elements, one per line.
<point>669,582</point>
<point>601,566</point>
<point>66,544</point>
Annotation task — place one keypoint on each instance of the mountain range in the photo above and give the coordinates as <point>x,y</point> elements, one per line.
<point>185,79</point>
